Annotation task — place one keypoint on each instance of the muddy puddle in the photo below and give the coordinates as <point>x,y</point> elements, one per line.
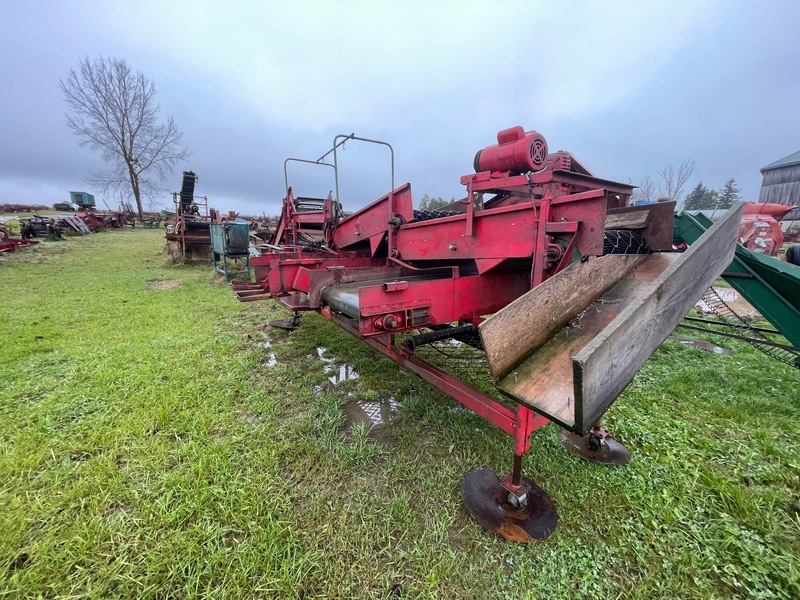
<point>375,414</point>
<point>156,285</point>
<point>701,345</point>
<point>271,360</point>
<point>734,300</point>
<point>336,372</point>
<point>727,295</point>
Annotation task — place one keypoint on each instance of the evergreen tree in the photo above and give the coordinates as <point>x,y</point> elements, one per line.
<point>712,200</point>
<point>696,197</point>
<point>702,198</point>
<point>729,194</point>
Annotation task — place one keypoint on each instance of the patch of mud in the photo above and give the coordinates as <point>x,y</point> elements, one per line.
<point>80,456</point>
<point>234,538</point>
<point>708,346</point>
<point>374,414</point>
<point>336,373</point>
<point>159,285</point>
<point>19,562</point>
<point>250,418</point>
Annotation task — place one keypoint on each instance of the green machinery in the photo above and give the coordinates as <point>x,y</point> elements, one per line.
<point>83,200</point>
<point>770,285</point>
<point>230,241</point>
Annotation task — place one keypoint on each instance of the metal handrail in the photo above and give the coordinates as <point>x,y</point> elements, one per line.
<point>353,136</point>
<point>302,160</point>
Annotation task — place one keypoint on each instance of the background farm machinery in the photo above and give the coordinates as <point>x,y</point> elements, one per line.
<point>190,227</point>
<point>10,243</point>
<point>760,231</point>
<point>770,285</point>
<point>80,223</point>
<point>196,232</point>
<point>230,247</point>
<point>581,289</point>
<point>88,219</point>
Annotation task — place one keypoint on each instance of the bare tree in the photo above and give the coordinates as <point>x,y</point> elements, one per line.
<point>114,110</point>
<point>674,179</point>
<point>646,191</point>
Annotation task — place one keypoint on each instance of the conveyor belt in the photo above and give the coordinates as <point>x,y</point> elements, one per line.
<point>343,298</point>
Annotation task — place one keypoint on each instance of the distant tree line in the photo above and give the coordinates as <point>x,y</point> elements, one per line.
<point>433,203</point>
<point>670,181</point>
<point>703,198</point>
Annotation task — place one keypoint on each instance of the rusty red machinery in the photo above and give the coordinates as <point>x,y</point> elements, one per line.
<point>10,244</point>
<point>189,229</point>
<point>304,220</point>
<point>760,229</point>
<point>546,283</point>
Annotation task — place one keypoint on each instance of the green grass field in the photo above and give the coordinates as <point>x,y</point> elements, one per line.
<point>148,450</point>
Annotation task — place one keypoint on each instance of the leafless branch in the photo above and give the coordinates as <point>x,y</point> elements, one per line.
<point>673,180</point>
<point>113,110</point>
<point>646,191</point>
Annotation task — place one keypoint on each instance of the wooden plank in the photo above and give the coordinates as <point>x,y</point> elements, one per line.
<point>609,363</point>
<point>521,327</point>
<point>627,220</point>
<point>80,224</point>
<point>544,381</point>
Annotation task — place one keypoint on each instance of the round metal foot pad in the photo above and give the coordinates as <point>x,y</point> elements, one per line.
<point>487,500</point>
<point>284,325</point>
<point>610,452</point>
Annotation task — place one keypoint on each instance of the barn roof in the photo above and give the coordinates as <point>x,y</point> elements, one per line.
<point>792,159</point>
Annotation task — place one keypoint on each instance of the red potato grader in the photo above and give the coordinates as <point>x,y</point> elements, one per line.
<point>536,298</point>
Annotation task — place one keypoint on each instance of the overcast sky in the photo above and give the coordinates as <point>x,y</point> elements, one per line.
<point>625,86</point>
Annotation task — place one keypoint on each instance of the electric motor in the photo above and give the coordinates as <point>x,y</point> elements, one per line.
<point>516,152</point>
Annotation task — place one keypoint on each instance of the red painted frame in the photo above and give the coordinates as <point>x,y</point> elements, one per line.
<point>519,423</point>
<point>454,268</point>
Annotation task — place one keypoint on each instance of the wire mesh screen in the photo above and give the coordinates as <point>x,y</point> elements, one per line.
<point>623,241</point>
<point>310,239</point>
<point>463,359</point>
<point>427,215</point>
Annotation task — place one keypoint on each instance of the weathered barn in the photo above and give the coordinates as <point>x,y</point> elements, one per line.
<point>781,183</point>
